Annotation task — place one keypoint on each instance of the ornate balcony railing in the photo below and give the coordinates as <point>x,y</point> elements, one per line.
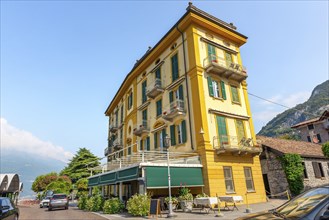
<point>141,128</point>
<point>233,144</point>
<point>117,144</point>
<point>155,88</point>
<point>219,66</point>
<point>175,108</point>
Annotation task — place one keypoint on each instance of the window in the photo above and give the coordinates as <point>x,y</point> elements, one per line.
<point>235,94</point>
<point>121,114</point>
<point>159,107</point>
<point>216,89</point>
<point>212,53</point>
<point>249,180</point>
<point>240,132</point>
<point>229,184</point>
<point>310,127</point>
<point>145,144</point>
<point>178,133</point>
<point>318,170</point>
<point>222,131</point>
<point>144,118</point>
<point>130,100</point>
<point>159,139</point>
<point>144,97</point>
<point>228,58</point>
<point>116,118</point>
<point>176,94</point>
<point>305,171</point>
<point>319,138</point>
<point>158,73</point>
<point>174,67</point>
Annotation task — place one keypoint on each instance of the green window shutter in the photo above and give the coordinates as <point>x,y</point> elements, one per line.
<point>180,92</point>
<point>155,141</point>
<point>212,53</point>
<point>222,85</point>
<point>144,114</point>
<point>184,131</point>
<point>148,144</point>
<point>210,88</point>
<point>228,58</point>
<point>240,129</point>
<point>158,73</point>
<point>141,145</point>
<point>235,95</point>
<point>172,135</point>
<point>159,107</point>
<point>163,133</point>
<point>171,96</point>
<point>174,66</point>
<point>222,131</point>
<point>144,97</point>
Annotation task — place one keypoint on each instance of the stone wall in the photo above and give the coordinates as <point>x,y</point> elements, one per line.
<point>311,181</point>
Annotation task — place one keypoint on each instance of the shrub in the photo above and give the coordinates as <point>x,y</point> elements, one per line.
<point>173,199</point>
<point>139,205</point>
<point>113,206</point>
<point>95,203</point>
<point>82,203</point>
<point>293,168</point>
<point>201,195</point>
<point>325,149</point>
<point>184,194</point>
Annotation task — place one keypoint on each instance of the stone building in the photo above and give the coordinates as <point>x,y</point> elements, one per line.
<point>315,130</point>
<point>316,165</point>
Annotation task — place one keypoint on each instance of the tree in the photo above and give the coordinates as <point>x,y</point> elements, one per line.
<point>79,165</point>
<point>61,185</point>
<point>293,168</point>
<point>325,149</point>
<point>40,183</point>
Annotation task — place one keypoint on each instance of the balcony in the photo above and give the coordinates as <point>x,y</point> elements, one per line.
<point>219,66</point>
<point>231,144</point>
<point>107,151</point>
<point>117,144</point>
<point>154,89</point>
<point>113,128</point>
<point>175,109</point>
<point>141,129</point>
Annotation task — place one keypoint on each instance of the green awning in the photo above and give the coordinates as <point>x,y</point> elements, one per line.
<point>108,178</point>
<point>93,181</point>
<point>157,177</point>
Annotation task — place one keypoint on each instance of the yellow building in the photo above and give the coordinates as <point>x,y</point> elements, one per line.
<point>191,89</point>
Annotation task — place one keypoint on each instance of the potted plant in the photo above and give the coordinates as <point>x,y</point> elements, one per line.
<point>174,201</point>
<point>185,199</point>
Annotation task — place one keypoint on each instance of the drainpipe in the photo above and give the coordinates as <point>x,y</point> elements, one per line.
<point>187,91</point>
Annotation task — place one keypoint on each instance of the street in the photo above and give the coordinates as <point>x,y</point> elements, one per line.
<point>34,213</point>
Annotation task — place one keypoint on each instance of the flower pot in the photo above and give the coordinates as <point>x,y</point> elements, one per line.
<point>186,205</point>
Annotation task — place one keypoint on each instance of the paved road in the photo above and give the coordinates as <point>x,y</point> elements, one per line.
<point>73,213</point>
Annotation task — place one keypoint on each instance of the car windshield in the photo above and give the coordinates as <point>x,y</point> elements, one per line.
<point>304,203</point>
<point>59,196</point>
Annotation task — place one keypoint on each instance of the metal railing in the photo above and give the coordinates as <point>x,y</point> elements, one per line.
<point>175,106</point>
<point>233,142</point>
<point>220,61</point>
<point>138,157</point>
<point>157,83</point>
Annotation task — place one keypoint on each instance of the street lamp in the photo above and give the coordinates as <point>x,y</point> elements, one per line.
<point>167,142</point>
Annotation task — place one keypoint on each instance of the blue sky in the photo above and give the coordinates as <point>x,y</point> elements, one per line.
<point>63,61</point>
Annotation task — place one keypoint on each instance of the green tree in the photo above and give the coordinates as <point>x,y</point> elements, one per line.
<point>293,168</point>
<point>61,185</point>
<point>40,183</point>
<point>79,165</point>
<point>82,186</point>
<point>325,149</point>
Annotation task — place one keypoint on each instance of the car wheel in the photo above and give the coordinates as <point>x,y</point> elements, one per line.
<point>40,206</point>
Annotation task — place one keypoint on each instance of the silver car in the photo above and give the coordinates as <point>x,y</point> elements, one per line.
<point>45,202</point>
<point>58,201</point>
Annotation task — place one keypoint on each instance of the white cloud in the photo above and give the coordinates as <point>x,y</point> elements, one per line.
<point>15,139</point>
<point>290,100</point>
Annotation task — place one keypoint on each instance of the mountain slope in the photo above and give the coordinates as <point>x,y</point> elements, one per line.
<point>313,107</point>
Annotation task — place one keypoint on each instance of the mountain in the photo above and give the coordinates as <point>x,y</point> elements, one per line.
<point>28,167</point>
<point>313,107</point>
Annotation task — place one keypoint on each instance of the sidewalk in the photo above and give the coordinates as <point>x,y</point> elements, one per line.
<point>197,214</point>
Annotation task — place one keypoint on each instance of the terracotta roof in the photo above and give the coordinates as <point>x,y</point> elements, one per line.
<point>302,148</point>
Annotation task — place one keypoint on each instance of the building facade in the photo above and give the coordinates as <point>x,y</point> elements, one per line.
<point>315,130</point>
<point>316,165</point>
<point>188,93</point>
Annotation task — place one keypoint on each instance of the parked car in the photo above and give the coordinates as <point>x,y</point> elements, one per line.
<point>312,204</point>
<point>8,210</point>
<point>45,202</point>
<point>58,201</point>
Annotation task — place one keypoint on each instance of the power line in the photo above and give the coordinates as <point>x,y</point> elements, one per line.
<point>303,112</point>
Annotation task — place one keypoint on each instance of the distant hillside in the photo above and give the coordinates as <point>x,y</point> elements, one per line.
<point>28,167</point>
<point>316,104</point>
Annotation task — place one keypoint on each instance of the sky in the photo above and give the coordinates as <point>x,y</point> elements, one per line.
<point>63,61</point>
